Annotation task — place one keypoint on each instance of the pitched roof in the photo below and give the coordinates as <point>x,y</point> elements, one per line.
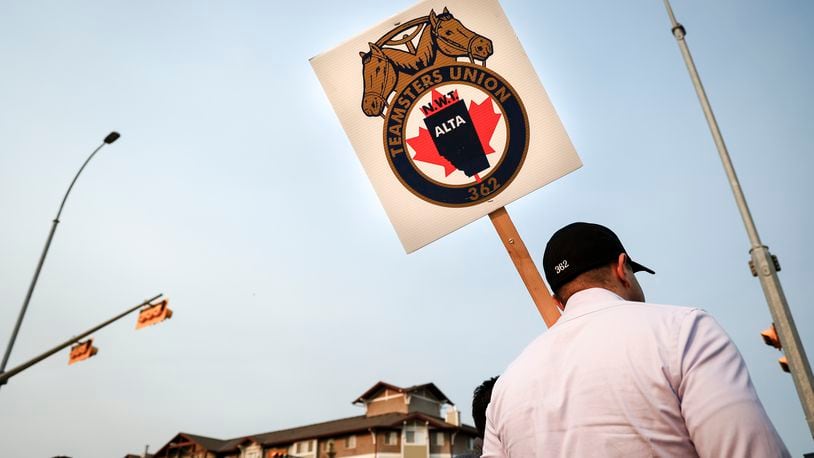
<point>351,425</point>
<point>371,392</point>
<point>231,444</point>
<point>209,443</point>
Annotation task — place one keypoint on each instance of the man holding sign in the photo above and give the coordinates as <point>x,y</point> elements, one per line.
<point>618,377</point>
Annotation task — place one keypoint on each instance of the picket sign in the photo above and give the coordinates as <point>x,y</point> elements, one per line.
<point>450,122</point>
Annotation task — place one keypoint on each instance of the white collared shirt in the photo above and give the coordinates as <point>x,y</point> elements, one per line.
<point>629,379</point>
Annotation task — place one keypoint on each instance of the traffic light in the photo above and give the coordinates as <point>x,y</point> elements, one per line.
<point>154,313</point>
<point>770,337</point>
<point>784,364</point>
<point>81,351</point>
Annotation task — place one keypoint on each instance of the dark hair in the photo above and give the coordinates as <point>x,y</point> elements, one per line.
<point>480,400</point>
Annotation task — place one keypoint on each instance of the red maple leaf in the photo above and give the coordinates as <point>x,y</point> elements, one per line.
<point>425,151</point>
<point>484,119</point>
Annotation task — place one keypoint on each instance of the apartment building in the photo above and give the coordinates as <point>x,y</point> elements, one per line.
<point>398,422</point>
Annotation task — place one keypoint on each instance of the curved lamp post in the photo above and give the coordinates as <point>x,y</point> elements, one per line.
<point>111,137</point>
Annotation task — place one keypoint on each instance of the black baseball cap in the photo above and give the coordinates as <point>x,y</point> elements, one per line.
<point>578,248</point>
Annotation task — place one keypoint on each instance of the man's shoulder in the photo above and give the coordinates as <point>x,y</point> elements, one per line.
<point>645,310</point>
<point>663,319</point>
<point>627,313</point>
<point>598,303</point>
<point>666,309</point>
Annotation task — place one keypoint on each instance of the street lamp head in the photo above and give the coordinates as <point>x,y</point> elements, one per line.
<point>112,137</point>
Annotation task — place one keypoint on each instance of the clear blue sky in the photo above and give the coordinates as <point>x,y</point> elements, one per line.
<point>234,191</point>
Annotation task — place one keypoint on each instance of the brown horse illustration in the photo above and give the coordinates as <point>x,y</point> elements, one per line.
<point>379,76</point>
<point>454,40</point>
<point>443,40</point>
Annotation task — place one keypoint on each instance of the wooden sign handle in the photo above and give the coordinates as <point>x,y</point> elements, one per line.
<point>545,303</point>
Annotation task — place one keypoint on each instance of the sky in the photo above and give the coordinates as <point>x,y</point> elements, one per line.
<point>234,191</point>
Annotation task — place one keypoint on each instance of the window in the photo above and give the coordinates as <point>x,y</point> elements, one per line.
<point>390,438</point>
<point>470,443</point>
<point>415,433</point>
<point>304,447</point>
<point>439,438</point>
<point>350,442</point>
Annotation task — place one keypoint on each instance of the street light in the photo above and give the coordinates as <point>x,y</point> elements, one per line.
<point>111,137</point>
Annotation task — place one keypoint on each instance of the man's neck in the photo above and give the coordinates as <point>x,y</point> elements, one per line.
<point>588,294</point>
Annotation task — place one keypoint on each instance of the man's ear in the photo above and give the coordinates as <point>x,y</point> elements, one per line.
<point>620,270</point>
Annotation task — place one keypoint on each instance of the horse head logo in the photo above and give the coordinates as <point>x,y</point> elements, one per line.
<point>455,40</point>
<point>379,78</point>
<point>394,57</point>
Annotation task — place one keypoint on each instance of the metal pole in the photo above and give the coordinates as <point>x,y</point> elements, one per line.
<point>12,372</point>
<point>28,296</point>
<point>765,264</point>
<point>109,139</point>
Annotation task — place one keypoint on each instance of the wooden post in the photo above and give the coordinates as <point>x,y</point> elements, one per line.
<point>545,303</point>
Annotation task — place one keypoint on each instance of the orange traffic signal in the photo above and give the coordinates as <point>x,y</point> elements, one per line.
<point>154,313</point>
<point>784,364</point>
<point>81,351</point>
<point>770,337</point>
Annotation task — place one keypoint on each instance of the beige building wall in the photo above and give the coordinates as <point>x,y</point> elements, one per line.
<point>380,406</point>
<point>415,451</point>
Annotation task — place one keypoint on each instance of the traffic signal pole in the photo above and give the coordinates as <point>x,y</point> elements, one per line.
<point>12,372</point>
<point>765,265</point>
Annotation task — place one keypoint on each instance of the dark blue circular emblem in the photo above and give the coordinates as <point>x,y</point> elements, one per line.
<point>456,136</point>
